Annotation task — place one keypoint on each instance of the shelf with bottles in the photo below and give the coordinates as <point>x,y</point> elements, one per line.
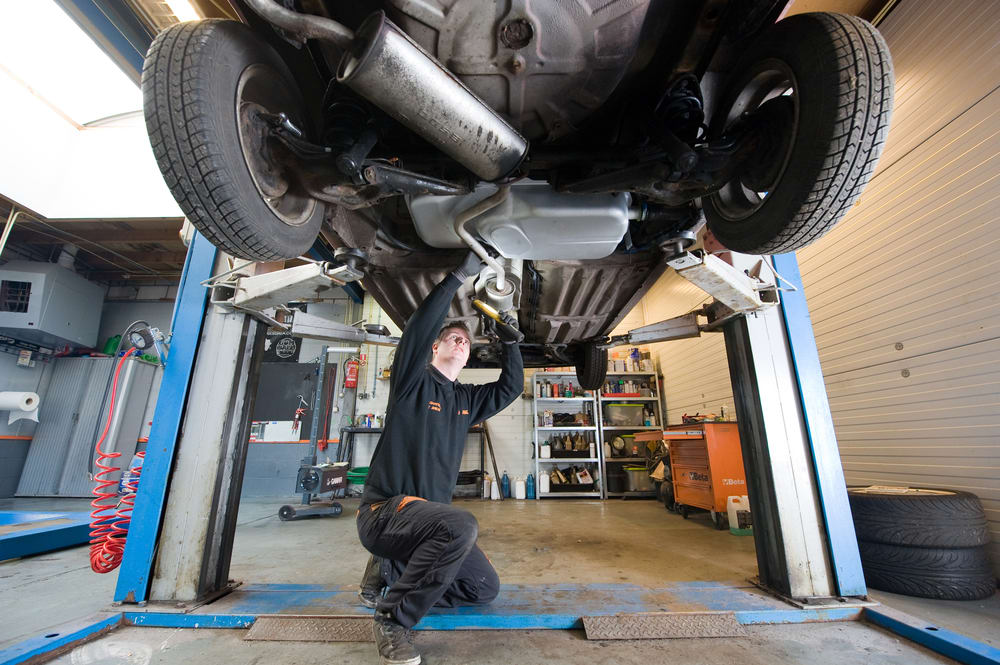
<point>570,478</point>
<point>631,398</point>
<point>568,446</point>
<point>579,415</point>
<point>629,360</point>
<point>629,386</point>
<point>559,386</point>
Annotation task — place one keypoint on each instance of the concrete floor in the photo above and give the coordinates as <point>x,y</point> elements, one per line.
<point>636,542</point>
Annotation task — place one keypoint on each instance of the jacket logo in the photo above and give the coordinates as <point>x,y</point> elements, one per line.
<point>463,412</point>
<point>433,406</point>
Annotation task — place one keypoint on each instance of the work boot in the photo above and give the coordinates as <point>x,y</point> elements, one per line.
<point>393,641</point>
<point>372,584</point>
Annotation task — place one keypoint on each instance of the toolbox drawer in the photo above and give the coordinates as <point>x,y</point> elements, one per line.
<point>693,476</point>
<point>693,487</point>
<point>691,453</point>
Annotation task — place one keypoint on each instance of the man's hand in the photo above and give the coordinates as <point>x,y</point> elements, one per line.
<point>507,330</point>
<point>470,266</point>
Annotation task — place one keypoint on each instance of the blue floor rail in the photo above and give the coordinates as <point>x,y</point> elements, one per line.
<point>518,607</point>
<point>26,533</point>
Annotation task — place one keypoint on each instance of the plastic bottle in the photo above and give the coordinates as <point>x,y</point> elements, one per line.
<point>529,486</point>
<point>495,491</point>
<point>111,345</point>
<point>546,451</point>
<point>505,485</point>
<point>543,483</point>
<point>593,450</point>
<point>520,491</point>
<point>734,506</point>
<point>487,481</point>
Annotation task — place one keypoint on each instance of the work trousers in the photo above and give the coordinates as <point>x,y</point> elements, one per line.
<point>430,557</point>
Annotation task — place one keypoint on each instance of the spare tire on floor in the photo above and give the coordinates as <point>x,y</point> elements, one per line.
<point>918,517</point>
<point>947,574</point>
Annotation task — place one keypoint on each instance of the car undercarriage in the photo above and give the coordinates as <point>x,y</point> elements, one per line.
<point>575,147</point>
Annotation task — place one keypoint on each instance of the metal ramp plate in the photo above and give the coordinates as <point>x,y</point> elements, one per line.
<point>312,629</point>
<point>663,625</point>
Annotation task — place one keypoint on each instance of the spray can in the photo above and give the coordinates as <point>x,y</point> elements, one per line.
<point>131,475</point>
<point>505,485</point>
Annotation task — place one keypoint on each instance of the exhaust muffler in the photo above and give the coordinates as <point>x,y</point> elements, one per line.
<point>382,64</point>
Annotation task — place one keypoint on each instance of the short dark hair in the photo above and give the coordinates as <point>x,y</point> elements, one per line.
<point>453,325</point>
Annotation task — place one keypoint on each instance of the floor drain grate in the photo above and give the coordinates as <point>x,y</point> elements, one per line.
<point>661,626</point>
<point>312,629</point>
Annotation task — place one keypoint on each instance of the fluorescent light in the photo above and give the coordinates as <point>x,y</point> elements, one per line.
<point>183,10</point>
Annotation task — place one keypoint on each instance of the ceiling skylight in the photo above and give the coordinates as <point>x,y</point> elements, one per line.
<point>46,51</point>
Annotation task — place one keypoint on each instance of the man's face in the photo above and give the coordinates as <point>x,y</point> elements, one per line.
<point>454,345</point>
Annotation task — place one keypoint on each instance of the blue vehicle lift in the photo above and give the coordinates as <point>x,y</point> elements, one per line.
<point>808,562</point>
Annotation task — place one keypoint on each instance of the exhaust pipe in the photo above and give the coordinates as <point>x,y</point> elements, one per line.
<point>386,67</point>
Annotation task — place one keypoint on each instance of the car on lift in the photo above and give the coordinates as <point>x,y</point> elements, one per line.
<point>573,145</point>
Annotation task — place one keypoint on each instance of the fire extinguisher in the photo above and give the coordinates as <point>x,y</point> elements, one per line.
<point>351,374</point>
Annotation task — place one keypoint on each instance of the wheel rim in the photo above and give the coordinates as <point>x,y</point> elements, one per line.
<point>768,84</point>
<point>263,90</point>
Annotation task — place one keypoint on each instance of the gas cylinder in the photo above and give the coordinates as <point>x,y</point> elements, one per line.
<point>529,486</point>
<point>505,485</point>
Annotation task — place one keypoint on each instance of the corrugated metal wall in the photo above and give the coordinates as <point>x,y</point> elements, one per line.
<point>61,451</point>
<point>902,293</point>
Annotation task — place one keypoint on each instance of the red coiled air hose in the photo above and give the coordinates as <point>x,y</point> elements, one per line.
<point>109,523</point>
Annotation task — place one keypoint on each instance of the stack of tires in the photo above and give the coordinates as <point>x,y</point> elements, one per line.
<point>923,542</point>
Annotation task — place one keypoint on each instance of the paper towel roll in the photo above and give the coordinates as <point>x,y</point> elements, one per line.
<point>20,405</point>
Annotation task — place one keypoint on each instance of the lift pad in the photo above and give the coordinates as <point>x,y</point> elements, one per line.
<point>663,625</point>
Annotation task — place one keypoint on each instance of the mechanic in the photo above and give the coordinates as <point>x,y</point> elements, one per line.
<point>424,551</point>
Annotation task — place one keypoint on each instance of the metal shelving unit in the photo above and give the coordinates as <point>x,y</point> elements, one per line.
<point>542,404</point>
<point>614,430</point>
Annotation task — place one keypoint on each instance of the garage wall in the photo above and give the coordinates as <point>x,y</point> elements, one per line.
<point>117,315</point>
<point>902,293</point>
<point>695,371</point>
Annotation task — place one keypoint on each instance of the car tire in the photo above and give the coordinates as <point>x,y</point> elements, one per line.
<point>918,517</point>
<point>840,75</point>
<point>197,79</point>
<point>591,366</point>
<point>665,493</point>
<point>946,574</point>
